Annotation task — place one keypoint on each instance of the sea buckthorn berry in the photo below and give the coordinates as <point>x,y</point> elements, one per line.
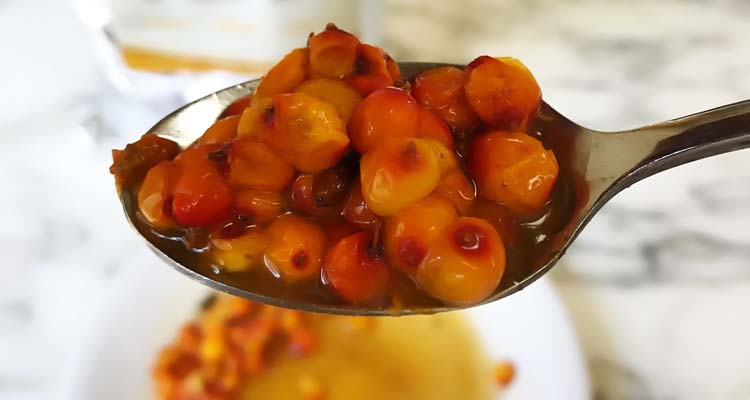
<point>456,187</point>
<point>441,89</point>
<point>502,92</point>
<point>307,132</point>
<point>238,253</point>
<point>338,93</point>
<point>333,53</point>
<point>255,119</point>
<point>331,186</point>
<point>284,76</point>
<point>295,247</point>
<point>259,205</point>
<point>222,131</point>
<point>410,232</point>
<point>513,169</point>
<point>201,197</point>
<point>464,264</point>
<point>355,272</point>
<point>432,126</point>
<point>446,158</point>
<point>238,106</point>
<point>254,165</point>
<point>357,212</point>
<point>373,70</point>
<point>397,173</point>
<point>392,66</point>
<point>155,194</point>
<point>302,193</point>
<point>131,164</point>
<point>387,112</point>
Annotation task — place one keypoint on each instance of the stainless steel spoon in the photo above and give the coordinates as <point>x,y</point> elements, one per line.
<point>601,164</point>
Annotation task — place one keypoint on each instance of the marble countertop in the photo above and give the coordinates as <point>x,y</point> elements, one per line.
<point>658,285</point>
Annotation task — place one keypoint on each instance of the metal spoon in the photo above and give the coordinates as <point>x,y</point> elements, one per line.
<point>601,164</point>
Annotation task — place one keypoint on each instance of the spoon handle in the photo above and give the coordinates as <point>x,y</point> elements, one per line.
<point>646,151</point>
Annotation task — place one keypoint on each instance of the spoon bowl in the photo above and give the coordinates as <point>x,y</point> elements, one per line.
<point>598,164</point>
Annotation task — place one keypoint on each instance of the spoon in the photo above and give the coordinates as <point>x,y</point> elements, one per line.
<point>601,164</point>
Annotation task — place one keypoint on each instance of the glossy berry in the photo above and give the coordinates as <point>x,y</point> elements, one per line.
<point>410,232</point>
<point>432,126</point>
<point>237,106</point>
<point>295,247</point>
<point>131,164</point>
<point>338,93</point>
<point>238,253</point>
<point>307,132</point>
<point>442,90</point>
<point>201,197</point>
<point>513,169</point>
<point>253,165</point>
<point>464,264</point>
<point>387,112</point>
<point>374,69</point>
<point>333,53</point>
<point>284,76</point>
<point>259,206</point>
<point>502,92</point>
<point>398,173</point>
<point>255,118</point>
<point>357,212</point>
<point>458,188</point>
<point>354,272</point>
<point>222,131</point>
<point>155,194</point>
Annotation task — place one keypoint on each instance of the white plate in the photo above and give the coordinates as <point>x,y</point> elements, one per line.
<point>150,302</point>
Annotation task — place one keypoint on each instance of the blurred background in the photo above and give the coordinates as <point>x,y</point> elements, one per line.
<point>658,286</point>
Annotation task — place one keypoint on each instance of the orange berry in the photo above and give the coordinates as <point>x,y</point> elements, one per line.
<point>238,253</point>
<point>333,53</point>
<point>354,272</point>
<point>513,169</point>
<point>295,247</point>
<point>255,118</point>
<point>284,76</point>
<point>238,106</point>
<point>464,264</point>
<point>307,132</point>
<point>338,93</point>
<point>456,187</point>
<point>201,197</point>
<point>387,112</point>
<point>331,186</point>
<point>302,193</point>
<point>441,89</point>
<point>432,126</point>
<point>446,157</point>
<point>155,194</point>
<point>131,164</point>
<point>410,232</point>
<point>253,165</point>
<point>397,173</point>
<point>222,131</point>
<point>374,70</point>
<point>356,210</point>
<point>259,205</point>
<point>502,92</point>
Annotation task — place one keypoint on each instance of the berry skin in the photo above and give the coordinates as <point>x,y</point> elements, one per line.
<point>333,53</point>
<point>238,106</point>
<point>307,132</point>
<point>464,264</point>
<point>354,273</point>
<point>456,187</point>
<point>295,248</point>
<point>238,253</point>
<point>155,194</point>
<point>409,233</point>
<point>385,113</point>
<point>514,169</point>
<point>432,126</point>
<point>357,212</point>
<point>222,131</point>
<point>259,205</point>
<point>338,93</point>
<point>374,70</point>
<point>442,90</point>
<point>284,76</point>
<point>255,119</point>
<point>398,173</point>
<point>502,92</point>
<point>201,197</point>
<point>253,165</point>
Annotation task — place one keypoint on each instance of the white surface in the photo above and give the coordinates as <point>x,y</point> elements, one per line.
<point>150,302</point>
